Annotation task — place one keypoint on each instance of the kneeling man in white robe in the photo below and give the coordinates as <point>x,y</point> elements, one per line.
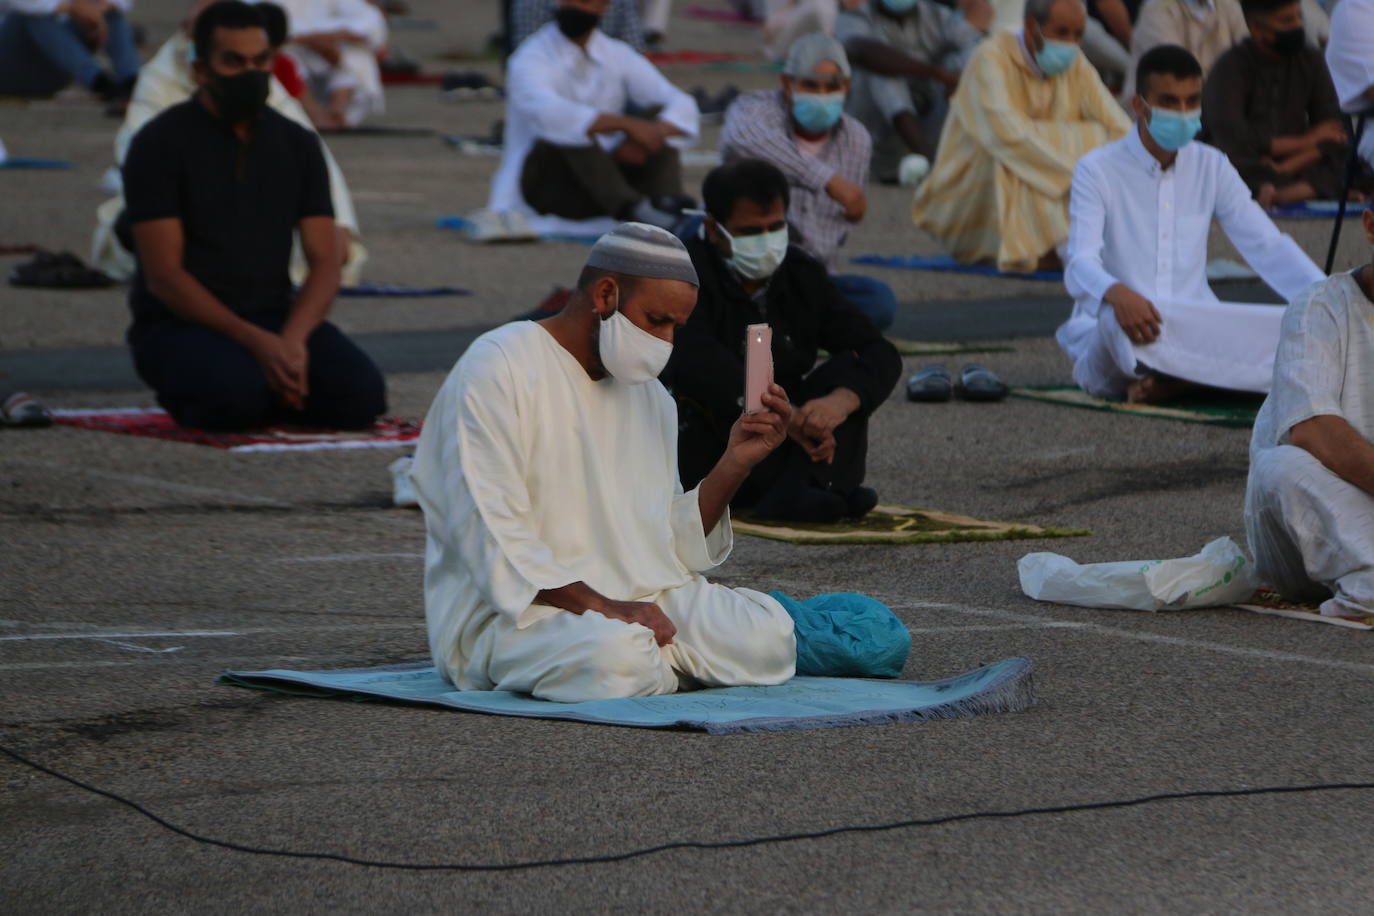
<point>563,558</point>
<point>1145,325</point>
<point>1309,505</point>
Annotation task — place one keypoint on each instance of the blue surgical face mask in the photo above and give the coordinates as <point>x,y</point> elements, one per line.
<point>898,6</point>
<point>756,257</point>
<point>1054,57</point>
<point>1174,130</point>
<point>817,112</point>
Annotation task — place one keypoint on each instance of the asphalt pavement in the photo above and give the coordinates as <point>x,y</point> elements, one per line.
<point>136,570</point>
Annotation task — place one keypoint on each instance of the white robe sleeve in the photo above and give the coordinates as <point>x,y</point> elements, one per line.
<point>1085,276</point>
<point>1273,254</point>
<point>646,87</point>
<point>697,550</point>
<point>486,510</point>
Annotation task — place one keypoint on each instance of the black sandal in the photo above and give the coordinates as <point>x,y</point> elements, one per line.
<point>930,384</point>
<point>979,384</point>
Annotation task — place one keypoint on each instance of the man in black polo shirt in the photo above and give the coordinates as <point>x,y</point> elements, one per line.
<point>214,188</point>
<point>750,275</point>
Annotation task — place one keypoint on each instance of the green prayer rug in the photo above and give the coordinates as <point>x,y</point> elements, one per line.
<point>1214,407</point>
<point>900,525</point>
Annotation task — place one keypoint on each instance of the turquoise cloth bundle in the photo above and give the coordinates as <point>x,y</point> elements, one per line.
<point>844,634</point>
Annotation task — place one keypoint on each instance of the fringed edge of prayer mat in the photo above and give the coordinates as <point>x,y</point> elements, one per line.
<point>943,348</point>
<point>1268,601</point>
<point>965,528</point>
<point>1075,397</point>
<point>1010,689</point>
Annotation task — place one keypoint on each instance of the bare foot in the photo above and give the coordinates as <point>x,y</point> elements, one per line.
<point>1265,196</point>
<point>1153,388</point>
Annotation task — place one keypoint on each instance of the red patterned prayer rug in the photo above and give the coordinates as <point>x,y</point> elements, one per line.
<point>389,432</point>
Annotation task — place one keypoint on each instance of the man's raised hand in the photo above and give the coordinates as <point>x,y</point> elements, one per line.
<point>756,434</point>
<point>645,613</point>
<point>1137,315</point>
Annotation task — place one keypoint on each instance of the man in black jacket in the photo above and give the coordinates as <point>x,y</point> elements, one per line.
<point>750,275</point>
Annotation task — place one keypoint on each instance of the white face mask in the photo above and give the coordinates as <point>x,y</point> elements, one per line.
<point>756,257</point>
<point>629,353</point>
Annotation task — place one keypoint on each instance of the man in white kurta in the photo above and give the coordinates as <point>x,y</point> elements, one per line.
<point>166,80</point>
<point>1309,504</point>
<point>1144,320</point>
<point>561,548</point>
<point>573,160</point>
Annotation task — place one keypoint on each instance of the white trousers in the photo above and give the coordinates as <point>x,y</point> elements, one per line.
<point>654,15</point>
<point>725,638</point>
<point>1311,532</point>
<point>1220,344</point>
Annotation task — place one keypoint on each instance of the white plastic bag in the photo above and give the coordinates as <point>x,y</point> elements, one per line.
<point>1220,574</point>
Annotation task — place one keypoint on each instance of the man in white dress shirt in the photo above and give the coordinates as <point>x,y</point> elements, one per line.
<point>1309,503</point>
<point>572,154</point>
<point>563,559</point>
<point>1145,325</point>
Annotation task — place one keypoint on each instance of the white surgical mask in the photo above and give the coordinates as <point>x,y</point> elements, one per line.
<point>629,353</point>
<point>756,257</point>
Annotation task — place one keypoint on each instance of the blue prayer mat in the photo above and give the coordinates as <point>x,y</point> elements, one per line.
<point>461,224</point>
<point>33,162</point>
<point>803,702</point>
<point>394,290</point>
<point>1316,209</point>
<point>947,264</point>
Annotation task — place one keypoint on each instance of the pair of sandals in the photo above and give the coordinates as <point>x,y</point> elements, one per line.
<point>59,271</point>
<point>975,384</point>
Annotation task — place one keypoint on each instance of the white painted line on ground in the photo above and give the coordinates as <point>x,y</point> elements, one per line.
<point>994,627</point>
<point>140,480</point>
<point>134,647</point>
<point>1120,633</point>
<point>205,634</point>
<point>352,557</point>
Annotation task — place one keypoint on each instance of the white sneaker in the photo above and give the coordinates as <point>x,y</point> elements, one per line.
<point>402,493</point>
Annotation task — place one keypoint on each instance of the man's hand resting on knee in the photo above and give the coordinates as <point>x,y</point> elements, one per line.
<point>813,425</point>
<point>1137,315</point>
<point>579,597</point>
<point>285,362</point>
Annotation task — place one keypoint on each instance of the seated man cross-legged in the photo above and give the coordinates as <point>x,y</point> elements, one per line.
<point>750,275</point>
<point>1309,503</point>
<point>564,559</point>
<point>1027,107</point>
<point>803,130</point>
<point>1145,324</point>
<point>573,150</point>
<point>216,187</point>
<point>1269,104</point>
<point>45,45</point>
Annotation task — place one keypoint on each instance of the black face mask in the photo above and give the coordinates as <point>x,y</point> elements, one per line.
<point>575,23</point>
<point>1290,41</point>
<point>241,97</point>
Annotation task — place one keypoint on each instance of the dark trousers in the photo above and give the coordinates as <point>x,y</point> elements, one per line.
<point>207,381</point>
<point>582,182</point>
<point>702,437</point>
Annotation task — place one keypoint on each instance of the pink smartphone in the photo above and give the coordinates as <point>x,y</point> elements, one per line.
<point>758,365</point>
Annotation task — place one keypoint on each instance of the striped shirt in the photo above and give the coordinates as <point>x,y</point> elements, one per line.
<point>759,126</point>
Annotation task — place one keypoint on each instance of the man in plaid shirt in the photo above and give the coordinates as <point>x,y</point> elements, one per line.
<point>803,130</point>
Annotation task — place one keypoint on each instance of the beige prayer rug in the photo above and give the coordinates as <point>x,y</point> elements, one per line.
<point>1268,601</point>
<point>900,525</point>
<point>1216,408</point>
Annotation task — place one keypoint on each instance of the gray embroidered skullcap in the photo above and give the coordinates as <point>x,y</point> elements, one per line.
<point>641,250</point>
<point>810,51</point>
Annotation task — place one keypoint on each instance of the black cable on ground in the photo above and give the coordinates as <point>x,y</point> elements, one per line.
<point>693,844</point>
